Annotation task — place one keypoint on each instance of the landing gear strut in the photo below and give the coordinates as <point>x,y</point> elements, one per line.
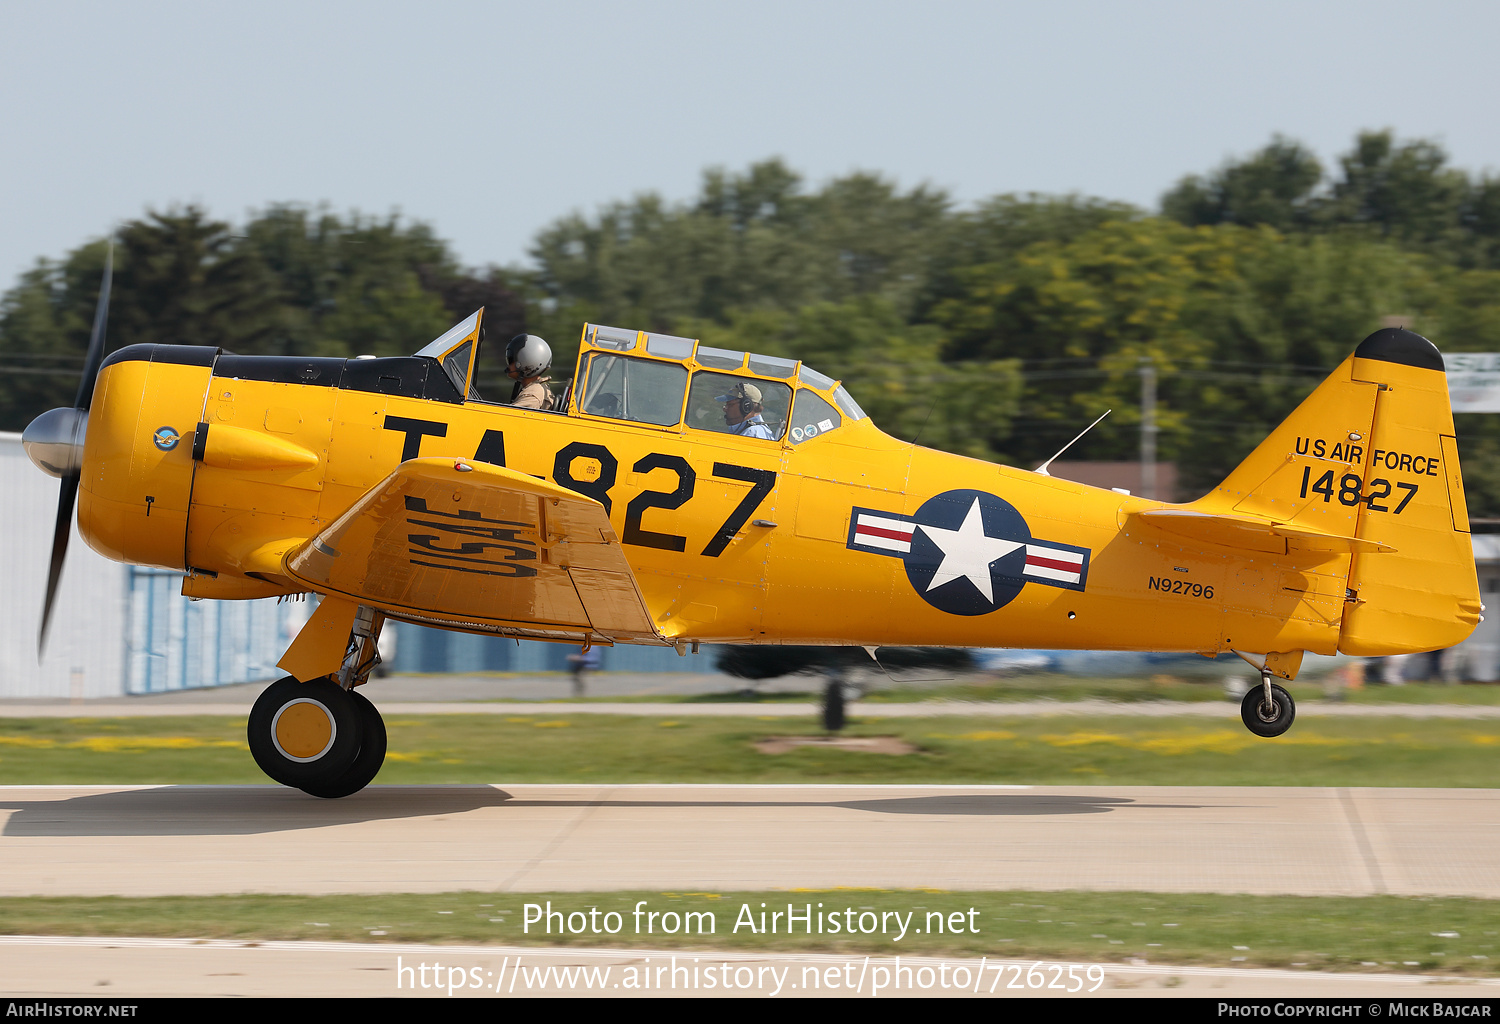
<point>833,705</point>
<point>321,736</point>
<point>1267,709</point>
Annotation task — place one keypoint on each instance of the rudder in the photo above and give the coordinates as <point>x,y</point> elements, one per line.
<point>1423,595</point>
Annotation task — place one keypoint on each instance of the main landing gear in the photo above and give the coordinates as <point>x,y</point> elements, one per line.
<point>1267,710</point>
<point>321,736</point>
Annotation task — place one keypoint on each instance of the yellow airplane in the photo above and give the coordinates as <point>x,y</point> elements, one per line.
<point>645,510</point>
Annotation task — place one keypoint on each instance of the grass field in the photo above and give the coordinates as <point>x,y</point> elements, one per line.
<point>1455,936</point>
<point>1037,750</point>
<point>1047,686</point>
<point>1052,686</point>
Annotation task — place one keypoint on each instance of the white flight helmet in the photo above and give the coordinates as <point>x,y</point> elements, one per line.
<point>527,356</point>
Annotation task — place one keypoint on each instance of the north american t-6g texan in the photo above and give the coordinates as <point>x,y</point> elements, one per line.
<point>644,510</point>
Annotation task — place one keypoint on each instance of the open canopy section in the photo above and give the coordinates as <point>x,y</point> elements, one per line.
<point>455,350</point>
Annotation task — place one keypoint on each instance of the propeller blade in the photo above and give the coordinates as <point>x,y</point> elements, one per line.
<point>60,534</point>
<point>96,337</point>
<point>68,494</point>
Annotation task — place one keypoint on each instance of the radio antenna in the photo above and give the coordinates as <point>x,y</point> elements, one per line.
<point>1042,469</point>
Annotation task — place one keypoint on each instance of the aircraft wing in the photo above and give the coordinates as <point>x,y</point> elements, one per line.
<point>1238,531</point>
<point>454,542</point>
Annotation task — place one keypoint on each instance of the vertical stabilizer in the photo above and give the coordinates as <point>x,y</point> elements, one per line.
<point>1370,457</point>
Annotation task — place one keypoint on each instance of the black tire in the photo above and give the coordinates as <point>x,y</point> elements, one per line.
<point>303,733</point>
<point>833,706</point>
<point>366,763</point>
<point>1263,720</point>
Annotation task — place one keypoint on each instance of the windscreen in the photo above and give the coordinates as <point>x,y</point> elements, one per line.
<point>641,390</point>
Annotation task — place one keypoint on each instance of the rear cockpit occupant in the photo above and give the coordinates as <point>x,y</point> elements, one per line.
<point>742,412</point>
<point>527,358</point>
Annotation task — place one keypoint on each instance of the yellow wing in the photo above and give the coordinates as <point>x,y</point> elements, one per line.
<point>480,547</point>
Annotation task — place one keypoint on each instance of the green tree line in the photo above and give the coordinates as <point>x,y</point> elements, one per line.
<point>292,281</point>
<point>996,330</point>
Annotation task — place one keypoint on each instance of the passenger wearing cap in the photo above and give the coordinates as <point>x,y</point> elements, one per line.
<point>742,409</point>
<point>527,357</point>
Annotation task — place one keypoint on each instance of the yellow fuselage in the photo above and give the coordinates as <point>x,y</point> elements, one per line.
<point>281,459</point>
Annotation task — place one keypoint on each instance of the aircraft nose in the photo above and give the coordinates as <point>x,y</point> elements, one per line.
<point>54,441</point>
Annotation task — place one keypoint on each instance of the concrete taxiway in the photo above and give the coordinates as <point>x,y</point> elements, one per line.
<point>192,840</point>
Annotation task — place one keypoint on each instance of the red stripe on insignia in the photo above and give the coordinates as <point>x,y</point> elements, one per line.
<point>1053,563</point>
<point>876,531</point>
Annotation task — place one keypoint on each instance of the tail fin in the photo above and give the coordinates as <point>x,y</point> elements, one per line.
<point>1371,455</point>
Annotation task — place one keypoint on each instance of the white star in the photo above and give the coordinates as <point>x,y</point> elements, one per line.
<point>968,553</point>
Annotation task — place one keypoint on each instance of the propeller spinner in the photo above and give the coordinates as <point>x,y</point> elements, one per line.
<point>54,441</point>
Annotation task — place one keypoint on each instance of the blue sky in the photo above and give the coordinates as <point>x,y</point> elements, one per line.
<point>489,120</point>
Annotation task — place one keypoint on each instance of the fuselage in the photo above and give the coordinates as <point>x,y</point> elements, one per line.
<point>219,465</point>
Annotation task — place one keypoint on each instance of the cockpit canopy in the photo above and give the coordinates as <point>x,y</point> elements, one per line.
<point>664,381</point>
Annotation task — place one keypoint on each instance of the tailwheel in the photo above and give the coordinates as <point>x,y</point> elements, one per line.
<point>1267,710</point>
<point>366,763</point>
<point>306,734</point>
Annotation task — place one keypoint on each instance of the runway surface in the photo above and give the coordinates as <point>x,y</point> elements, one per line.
<point>73,840</point>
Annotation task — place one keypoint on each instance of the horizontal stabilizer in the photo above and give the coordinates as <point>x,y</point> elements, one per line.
<point>1237,531</point>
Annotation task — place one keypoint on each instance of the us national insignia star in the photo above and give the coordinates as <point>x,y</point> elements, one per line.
<point>968,552</point>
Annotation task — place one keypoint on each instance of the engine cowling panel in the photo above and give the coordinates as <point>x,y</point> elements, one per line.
<point>137,478</point>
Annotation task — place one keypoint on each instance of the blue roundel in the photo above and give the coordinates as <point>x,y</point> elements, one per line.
<point>968,552</point>
<point>166,438</point>
<point>968,556</point>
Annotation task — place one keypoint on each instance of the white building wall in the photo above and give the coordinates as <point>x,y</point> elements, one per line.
<point>85,653</point>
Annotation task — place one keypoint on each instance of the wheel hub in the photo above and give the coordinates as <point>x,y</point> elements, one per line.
<point>303,730</point>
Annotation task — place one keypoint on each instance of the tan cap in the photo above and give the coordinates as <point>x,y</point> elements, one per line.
<point>742,390</point>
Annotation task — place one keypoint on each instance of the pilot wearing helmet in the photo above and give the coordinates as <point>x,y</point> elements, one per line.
<point>527,357</point>
<point>742,411</point>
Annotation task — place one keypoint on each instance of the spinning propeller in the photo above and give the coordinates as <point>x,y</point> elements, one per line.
<point>54,441</point>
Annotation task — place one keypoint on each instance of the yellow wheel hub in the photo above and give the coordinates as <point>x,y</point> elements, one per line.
<point>303,730</point>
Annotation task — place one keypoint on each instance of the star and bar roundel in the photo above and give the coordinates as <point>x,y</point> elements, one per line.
<point>968,552</point>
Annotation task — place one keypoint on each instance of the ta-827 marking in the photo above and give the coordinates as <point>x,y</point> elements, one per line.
<point>1186,588</point>
<point>1351,490</point>
<point>492,450</point>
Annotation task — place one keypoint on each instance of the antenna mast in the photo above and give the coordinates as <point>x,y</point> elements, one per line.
<point>1042,469</point>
